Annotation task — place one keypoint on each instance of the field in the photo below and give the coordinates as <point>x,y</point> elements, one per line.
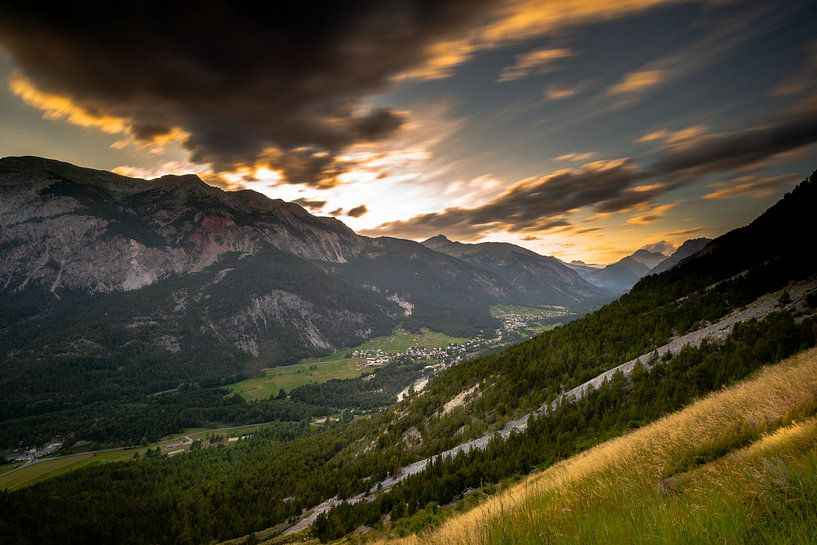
<point>57,465</point>
<point>7,467</point>
<point>739,466</point>
<point>340,364</point>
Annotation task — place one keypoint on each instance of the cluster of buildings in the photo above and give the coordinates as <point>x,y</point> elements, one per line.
<point>445,355</point>
<point>29,455</point>
<point>514,322</point>
<point>373,357</point>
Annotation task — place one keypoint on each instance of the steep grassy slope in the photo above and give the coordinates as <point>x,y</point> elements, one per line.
<point>739,466</point>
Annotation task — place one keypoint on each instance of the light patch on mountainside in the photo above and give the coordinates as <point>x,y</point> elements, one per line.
<point>275,307</point>
<point>417,386</point>
<point>169,343</point>
<point>406,305</point>
<point>461,398</point>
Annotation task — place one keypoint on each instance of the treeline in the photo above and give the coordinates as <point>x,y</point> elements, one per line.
<point>371,392</point>
<point>146,419</point>
<point>140,419</point>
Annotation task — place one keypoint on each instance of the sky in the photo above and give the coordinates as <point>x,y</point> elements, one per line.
<point>584,129</point>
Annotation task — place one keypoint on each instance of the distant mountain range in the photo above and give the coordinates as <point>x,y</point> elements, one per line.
<point>685,250</point>
<point>622,275</point>
<point>543,279</point>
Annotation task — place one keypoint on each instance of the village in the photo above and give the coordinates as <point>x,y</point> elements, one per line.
<point>452,353</point>
<point>455,352</point>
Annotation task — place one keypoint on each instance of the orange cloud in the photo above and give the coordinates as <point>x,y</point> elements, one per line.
<point>518,20</point>
<point>555,92</point>
<point>577,157</point>
<point>636,82</point>
<point>674,138</point>
<point>751,186</point>
<point>646,187</point>
<point>443,57</point>
<point>62,108</point>
<point>652,214</point>
<point>524,19</point>
<point>534,62</point>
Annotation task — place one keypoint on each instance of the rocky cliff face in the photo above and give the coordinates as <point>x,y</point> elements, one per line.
<point>65,227</point>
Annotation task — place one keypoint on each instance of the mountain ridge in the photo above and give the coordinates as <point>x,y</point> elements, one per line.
<point>687,249</point>
<point>542,277</point>
<point>202,282</point>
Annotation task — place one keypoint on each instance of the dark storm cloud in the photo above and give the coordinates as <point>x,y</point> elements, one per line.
<point>311,204</point>
<point>529,206</point>
<point>616,186</point>
<point>238,80</point>
<point>729,151</point>
<point>357,211</point>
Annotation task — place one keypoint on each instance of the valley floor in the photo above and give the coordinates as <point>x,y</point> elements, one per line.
<point>739,466</point>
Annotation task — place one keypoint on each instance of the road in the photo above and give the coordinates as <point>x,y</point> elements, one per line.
<point>32,461</point>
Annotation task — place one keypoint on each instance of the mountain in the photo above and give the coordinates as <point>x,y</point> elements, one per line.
<point>248,272</point>
<point>648,258</point>
<point>687,249</point>
<point>625,273</point>
<point>622,275</point>
<point>542,279</point>
<point>172,280</point>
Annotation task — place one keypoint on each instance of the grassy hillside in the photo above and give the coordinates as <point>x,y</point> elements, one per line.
<point>739,466</point>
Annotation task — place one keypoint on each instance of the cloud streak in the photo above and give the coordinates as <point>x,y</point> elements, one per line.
<point>534,62</point>
<point>751,186</point>
<point>729,151</point>
<point>547,203</point>
<point>532,205</point>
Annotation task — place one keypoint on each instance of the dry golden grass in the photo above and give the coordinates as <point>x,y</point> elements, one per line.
<point>631,466</point>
